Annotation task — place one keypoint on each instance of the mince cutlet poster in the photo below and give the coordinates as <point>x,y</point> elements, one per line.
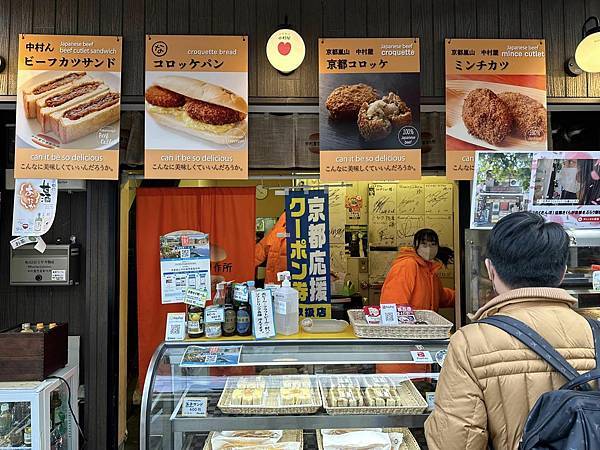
<point>369,109</point>
<point>495,100</point>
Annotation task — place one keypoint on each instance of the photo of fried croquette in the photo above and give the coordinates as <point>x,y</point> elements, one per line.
<point>377,119</point>
<point>345,101</point>
<point>486,116</point>
<point>212,114</point>
<point>529,116</point>
<point>164,98</point>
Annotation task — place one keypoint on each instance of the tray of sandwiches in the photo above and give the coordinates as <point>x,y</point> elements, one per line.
<point>370,394</point>
<point>270,395</point>
<point>367,439</point>
<point>255,440</point>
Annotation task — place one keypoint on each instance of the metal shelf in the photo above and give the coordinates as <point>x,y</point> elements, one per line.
<point>309,422</point>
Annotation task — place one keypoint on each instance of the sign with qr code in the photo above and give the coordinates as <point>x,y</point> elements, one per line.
<point>421,357</point>
<point>175,327</point>
<point>389,314</point>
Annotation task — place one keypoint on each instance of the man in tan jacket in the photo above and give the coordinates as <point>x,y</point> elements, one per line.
<point>490,381</point>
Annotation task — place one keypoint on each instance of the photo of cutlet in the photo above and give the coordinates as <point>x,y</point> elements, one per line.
<point>529,116</point>
<point>486,116</point>
<point>345,102</point>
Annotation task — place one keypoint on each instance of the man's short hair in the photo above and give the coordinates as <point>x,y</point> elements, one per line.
<point>527,251</point>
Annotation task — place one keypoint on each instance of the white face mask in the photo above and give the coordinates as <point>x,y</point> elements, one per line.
<point>568,178</point>
<point>427,253</point>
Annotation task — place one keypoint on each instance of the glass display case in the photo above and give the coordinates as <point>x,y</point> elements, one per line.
<point>583,253</point>
<point>36,414</point>
<point>292,395</point>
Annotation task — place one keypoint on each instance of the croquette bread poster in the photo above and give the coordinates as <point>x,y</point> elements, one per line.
<point>495,100</point>
<point>369,109</point>
<point>68,107</point>
<point>196,98</point>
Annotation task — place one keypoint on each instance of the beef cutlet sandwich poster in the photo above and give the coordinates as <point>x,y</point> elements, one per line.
<point>495,99</point>
<point>369,109</point>
<point>196,99</point>
<point>68,107</point>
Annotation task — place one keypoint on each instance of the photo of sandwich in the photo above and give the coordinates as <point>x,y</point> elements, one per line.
<point>496,116</point>
<point>69,110</point>
<point>361,111</point>
<point>201,110</point>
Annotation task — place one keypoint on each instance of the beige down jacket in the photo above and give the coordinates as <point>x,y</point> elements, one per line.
<point>490,381</point>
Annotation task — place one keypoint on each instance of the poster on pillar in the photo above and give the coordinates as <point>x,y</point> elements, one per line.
<point>196,101</point>
<point>495,100</point>
<point>369,109</point>
<point>68,107</point>
<point>308,254</point>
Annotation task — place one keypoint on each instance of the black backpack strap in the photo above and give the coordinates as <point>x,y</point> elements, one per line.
<point>592,374</point>
<point>535,342</point>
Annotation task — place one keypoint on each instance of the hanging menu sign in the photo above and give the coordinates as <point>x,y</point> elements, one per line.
<point>196,98</point>
<point>68,107</point>
<point>369,109</point>
<point>495,100</point>
<point>308,253</point>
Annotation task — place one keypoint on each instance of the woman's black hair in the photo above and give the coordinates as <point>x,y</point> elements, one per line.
<point>445,254</point>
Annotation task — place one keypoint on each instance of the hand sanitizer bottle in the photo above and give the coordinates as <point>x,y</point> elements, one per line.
<point>286,306</point>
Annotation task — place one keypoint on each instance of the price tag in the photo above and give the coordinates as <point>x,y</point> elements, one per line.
<point>240,293</point>
<point>195,407</point>
<point>421,357</point>
<point>194,297</point>
<point>214,315</point>
<point>389,314</point>
<point>175,327</point>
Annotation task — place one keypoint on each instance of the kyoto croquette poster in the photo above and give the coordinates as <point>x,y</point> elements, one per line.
<point>68,107</point>
<point>196,102</point>
<point>369,109</point>
<point>495,100</point>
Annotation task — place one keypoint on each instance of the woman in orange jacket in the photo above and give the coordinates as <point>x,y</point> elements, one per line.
<point>272,248</point>
<point>413,278</point>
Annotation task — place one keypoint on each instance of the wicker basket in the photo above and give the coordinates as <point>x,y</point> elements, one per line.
<point>288,436</point>
<point>259,410</point>
<point>414,403</point>
<point>408,442</point>
<point>437,327</point>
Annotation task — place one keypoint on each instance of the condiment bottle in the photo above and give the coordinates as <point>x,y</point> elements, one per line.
<point>27,436</point>
<point>195,322</point>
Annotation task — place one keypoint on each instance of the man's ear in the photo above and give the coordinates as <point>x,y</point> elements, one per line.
<point>490,268</point>
<point>563,275</point>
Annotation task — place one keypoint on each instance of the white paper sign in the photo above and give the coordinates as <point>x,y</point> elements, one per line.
<point>21,241</point>
<point>195,297</point>
<point>214,315</point>
<point>34,206</point>
<point>263,321</point>
<point>421,356</point>
<point>59,275</point>
<point>184,263</point>
<point>195,407</point>
<point>175,327</point>
<point>389,314</point>
<point>240,293</point>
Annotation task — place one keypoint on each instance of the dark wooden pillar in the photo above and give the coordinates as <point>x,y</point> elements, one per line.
<point>100,339</point>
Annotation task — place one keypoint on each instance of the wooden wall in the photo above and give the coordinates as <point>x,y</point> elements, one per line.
<point>558,21</point>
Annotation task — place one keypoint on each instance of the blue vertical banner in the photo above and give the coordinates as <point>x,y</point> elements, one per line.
<point>307,226</point>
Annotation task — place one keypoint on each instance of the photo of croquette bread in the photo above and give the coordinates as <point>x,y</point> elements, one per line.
<point>61,108</point>
<point>368,112</point>
<point>496,116</point>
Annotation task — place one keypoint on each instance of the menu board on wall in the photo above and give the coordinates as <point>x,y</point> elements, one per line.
<point>308,253</point>
<point>495,99</point>
<point>369,109</point>
<point>196,97</point>
<point>68,107</point>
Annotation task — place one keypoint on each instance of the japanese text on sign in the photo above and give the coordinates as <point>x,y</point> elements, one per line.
<point>307,223</point>
<point>263,321</point>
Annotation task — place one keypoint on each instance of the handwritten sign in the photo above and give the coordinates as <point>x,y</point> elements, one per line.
<point>438,199</point>
<point>214,315</point>
<point>195,297</point>
<point>240,293</point>
<point>263,321</point>
<point>195,407</point>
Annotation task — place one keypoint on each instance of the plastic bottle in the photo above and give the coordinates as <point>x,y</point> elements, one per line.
<point>286,306</point>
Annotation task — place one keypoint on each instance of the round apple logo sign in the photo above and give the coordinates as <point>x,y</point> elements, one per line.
<point>285,50</point>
